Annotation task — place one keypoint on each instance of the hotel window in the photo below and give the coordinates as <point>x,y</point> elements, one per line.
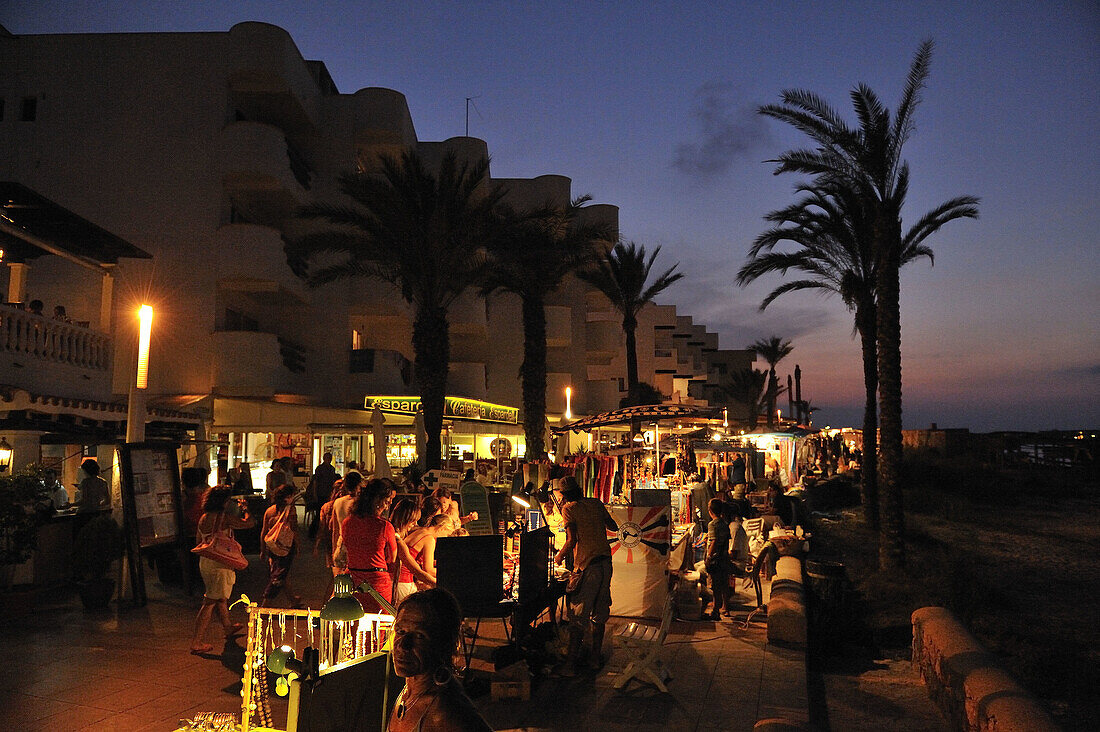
<point>1,109</point>
<point>622,384</point>
<point>29,110</point>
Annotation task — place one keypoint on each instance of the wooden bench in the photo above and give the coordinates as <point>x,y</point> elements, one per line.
<point>643,643</point>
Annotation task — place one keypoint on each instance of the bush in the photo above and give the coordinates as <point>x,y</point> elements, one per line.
<point>22,498</point>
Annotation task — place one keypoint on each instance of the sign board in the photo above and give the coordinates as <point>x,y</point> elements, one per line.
<point>152,505</point>
<point>150,479</point>
<point>449,479</point>
<point>476,498</point>
<point>453,407</point>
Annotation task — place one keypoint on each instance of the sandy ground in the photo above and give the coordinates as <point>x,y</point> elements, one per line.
<point>1021,570</point>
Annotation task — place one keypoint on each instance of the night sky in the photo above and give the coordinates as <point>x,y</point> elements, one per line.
<point>650,107</point>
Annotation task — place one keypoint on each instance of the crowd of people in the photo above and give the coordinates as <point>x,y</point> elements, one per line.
<point>351,523</point>
<point>355,528</point>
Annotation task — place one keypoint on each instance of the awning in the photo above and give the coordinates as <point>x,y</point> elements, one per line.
<point>32,225</point>
<point>642,413</point>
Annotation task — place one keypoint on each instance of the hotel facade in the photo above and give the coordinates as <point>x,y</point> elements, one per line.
<point>165,168</point>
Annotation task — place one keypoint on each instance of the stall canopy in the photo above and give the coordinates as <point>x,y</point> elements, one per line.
<point>626,415</point>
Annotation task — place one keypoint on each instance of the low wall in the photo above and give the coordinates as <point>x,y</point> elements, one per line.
<point>787,604</point>
<point>968,683</point>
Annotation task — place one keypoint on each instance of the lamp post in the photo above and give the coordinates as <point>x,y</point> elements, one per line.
<point>5,455</point>
<point>135,413</point>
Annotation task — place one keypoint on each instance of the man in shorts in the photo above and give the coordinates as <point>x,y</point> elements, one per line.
<point>586,524</point>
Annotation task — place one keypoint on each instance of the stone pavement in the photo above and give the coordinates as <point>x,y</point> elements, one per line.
<point>130,669</point>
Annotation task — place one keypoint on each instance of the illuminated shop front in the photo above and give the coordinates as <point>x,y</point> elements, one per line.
<point>472,429</point>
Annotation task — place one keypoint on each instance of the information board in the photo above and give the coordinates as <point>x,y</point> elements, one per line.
<point>150,477</point>
<point>475,497</point>
<point>152,506</point>
<point>449,479</point>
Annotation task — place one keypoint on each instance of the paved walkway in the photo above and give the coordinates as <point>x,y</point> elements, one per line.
<point>131,669</point>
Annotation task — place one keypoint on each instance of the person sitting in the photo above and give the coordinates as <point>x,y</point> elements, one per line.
<point>778,510</point>
<point>35,307</point>
<point>60,314</point>
<point>425,639</point>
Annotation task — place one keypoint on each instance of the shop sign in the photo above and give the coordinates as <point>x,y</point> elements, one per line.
<point>454,407</point>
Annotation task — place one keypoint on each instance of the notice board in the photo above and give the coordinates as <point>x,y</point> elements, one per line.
<point>151,488</point>
<point>475,497</point>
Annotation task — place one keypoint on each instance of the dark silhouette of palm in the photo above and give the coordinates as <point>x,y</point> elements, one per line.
<point>422,232</point>
<point>773,350</point>
<point>746,386</point>
<point>621,275</point>
<point>865,162</point>
<point>530,256</point>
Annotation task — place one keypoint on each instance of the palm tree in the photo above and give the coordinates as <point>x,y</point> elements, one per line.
<point>621,275</point>
<point>866,161</point>
<point>773,350</point>
<point>746,386</point>
<point>530,257</point>
<point>420,231</point>
<point>833,254</point>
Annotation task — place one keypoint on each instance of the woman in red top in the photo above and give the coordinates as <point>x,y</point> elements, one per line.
<point>370,541</point>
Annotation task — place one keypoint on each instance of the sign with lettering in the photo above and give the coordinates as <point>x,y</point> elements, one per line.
<point>449,479</point>
<point>453,407</point>
<point>476,498</point>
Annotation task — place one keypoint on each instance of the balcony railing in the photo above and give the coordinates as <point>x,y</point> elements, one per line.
<point>46,339</point>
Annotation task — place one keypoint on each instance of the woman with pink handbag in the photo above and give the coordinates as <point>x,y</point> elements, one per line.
<point>215,527</point>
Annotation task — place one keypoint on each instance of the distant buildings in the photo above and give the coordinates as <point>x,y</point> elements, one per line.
<point>192,150</point>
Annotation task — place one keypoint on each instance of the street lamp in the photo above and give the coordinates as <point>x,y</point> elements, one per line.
<point>135,413</point>
<point>5,455</point>
<point>569,402</point>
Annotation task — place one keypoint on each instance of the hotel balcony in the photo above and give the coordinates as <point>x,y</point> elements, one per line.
<point>603,339</point>
<point>47,356</point>
<point>255,364</point>
<point>268,79</point>
<point>559,326</point>
<point>265,176</point>
<point>254,252</point>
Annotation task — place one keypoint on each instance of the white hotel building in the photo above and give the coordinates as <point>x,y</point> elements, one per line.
<point>164,168</point>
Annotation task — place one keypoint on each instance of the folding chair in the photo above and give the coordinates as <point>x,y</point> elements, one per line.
<point>643,643</point>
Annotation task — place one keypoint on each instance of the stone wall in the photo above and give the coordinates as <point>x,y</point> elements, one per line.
<point>967,682</point>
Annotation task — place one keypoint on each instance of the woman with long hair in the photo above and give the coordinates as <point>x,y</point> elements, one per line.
<point>408,570</point>
<point>278,579</point>
<point>217,514</point>
<point>421,543</point>
<point>425,639</point>
<point>370,542</point>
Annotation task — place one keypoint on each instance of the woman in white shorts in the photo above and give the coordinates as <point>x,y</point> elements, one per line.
<point>217,578</point>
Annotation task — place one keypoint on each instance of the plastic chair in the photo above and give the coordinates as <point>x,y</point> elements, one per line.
<point>643,643</point>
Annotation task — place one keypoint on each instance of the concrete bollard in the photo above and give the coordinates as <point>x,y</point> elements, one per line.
<point>787,604</point>
<point>968,683</point>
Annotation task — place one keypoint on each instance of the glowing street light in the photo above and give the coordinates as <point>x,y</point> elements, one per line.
<point>569,402</point>
<point>135,412</point>
<point>145,315</point>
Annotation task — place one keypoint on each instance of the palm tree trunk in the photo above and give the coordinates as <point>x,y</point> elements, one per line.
<point>888,322</point>
<point>630,324</point>
<point>773,388</point>
<point>431,343</point>
<point>533,374</point>
<point>865,324</point>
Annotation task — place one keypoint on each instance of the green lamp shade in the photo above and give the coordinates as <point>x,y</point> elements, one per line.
<point>278,658</point>
<point>342,607</point>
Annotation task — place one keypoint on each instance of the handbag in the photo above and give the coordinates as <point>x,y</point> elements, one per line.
<point>280,537</point>
<point>222,548</point>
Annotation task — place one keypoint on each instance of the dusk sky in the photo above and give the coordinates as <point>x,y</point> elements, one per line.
<point>651,107</point>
